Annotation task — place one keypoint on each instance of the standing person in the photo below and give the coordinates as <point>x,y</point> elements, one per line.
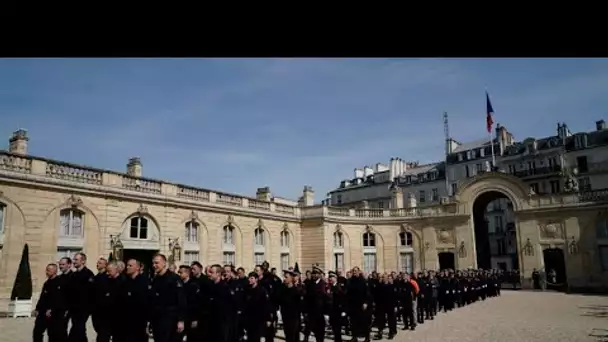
<point>200,276</point>
<point>110,314</point>
<point>257,310</point>
<point>337,309</point>
<point>407,298</point>
<point>100,288</point>
<point>315,300</point>
<point>193,304</point>
<point>432,293</point>
<point>65,267</point>
<point>220,305</point>
<point>50,309</point>
<point>167,302</point>
<point>81,293</point>
<point>136,295</point>
<point>290,302</point>
<point>386,299</point>
<point>358,299</point>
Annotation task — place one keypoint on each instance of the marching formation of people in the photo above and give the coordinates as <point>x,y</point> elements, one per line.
<point>221,303</point>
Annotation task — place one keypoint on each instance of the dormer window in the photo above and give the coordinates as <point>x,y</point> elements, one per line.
<point>482,152</point>
<point>469,155</point>
<point>408,179</point>
<point>460,157</point>
<point>474,154</point>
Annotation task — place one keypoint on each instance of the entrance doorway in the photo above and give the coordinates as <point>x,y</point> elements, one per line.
<point>142,255</point>
<point>495,233</point>
<point>446,261</point>
<point>555,268</point>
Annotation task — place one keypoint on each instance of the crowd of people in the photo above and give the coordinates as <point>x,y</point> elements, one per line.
<point>221,303</point>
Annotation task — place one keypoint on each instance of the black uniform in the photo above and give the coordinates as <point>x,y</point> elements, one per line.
<point>337,309</point>
<point>109,312</point>
<point>386,300</point>
<point>136,308</point>
<point>167,305</point>
<point>193,309</point>
<point>357,294</point>
<point>220,308</point>
<point>315,300</point>
<point>80,291</point>
<point>257,312</point>
<point>290,303</point>
<point>51,301</point>
<point>432,292</point>
<point>407,296</point>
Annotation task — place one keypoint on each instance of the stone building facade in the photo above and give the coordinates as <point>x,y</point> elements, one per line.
<point>59,208</point>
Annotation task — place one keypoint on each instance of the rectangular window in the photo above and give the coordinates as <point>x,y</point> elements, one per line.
<point>339,261</point>
<point>71,223</point>
<point>454,188</point>
<point>258,258</point>
<point>534,187</point>
<point>192,232</point>
<point>581,164</point>
<point>422,196</point>
<point>435,195</point>
<point>554,186</point>
<point>67,252</point>
<point>498,224</point>
<point>467,171</point>
<point>604,257</point>
<point>339,199</point>
<point>479,167</point>
<point>406,262</point>
<point>228,236</point>
<point>284,261</point>
<point>584,184</point>
<point>482,152</point>
<point>553,162</point>
<point>601,229</point>
<point>229,258</point>
<point>190,257</point>
<point>369,263</point>
<point>460,157</point>
<point>2,209</point>
<point>380,205</point>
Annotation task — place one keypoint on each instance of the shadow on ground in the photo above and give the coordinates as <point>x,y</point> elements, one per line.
<point>597,311</point>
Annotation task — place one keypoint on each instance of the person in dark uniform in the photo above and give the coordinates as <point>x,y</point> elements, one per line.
<point>420,298</point>
<point>220,306</point>
<point>110,316</point>
<point>50,309</point>
<point>65,267</point>
<point>386,305</point>
<point>257,310</point>
<point>199,274</point>
<point>193,303</point>
<point>80,292</point>
<point>290,304</point>
<point>315,300</point>
<point>100,288</point>
<point>358,299</point>
<point>235,306</point>
<point>337,306</point>
<point>407,296</point>
<point>167,302</point>
<point>135,305</point>
<point>432,292</point>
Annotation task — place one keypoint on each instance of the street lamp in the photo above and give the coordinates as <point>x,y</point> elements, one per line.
<point>116,246</point>
<point>176,249</point>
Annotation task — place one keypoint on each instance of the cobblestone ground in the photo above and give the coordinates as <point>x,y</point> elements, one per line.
<point>515,316</point>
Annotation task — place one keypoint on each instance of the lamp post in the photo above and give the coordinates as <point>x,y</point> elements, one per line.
<point>175,249</point>
<point>116,246</point>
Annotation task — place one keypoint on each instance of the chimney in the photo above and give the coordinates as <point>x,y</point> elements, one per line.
<point>308,197</point>
<point>600,125</point>
<point>264,194</point>
<point>17,144</point>
<point>134,167</point>
<point>396,197</point>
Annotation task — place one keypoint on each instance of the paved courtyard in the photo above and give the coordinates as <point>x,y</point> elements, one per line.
<point>515,316</point>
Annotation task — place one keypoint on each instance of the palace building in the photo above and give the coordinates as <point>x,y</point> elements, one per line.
<point>60,208</point>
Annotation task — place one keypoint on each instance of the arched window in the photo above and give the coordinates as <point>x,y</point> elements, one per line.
<point>70,221</point>
<point>191,233</point>
<point>369,252</point>
<point>369,239</point>
<point>228,235</point>
<point>139,228</point>
<point>2,214</point>
<point>259,237</point>
<point>406,239</point>
<point>228,246</point>
<point>285,239</point>
<point>338,240</point>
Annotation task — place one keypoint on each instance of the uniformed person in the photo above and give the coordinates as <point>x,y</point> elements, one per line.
<point>219,305</point>
<point>65,267</point>
<point>167,302</point>
<point>432,293</point>
<point>136,308</point>
<point>50,309</point>
<point>257,309</point>
<point>407,297</point>
<point>81,292</point>
<point>235,306</point>
<point>337,306</point>
<point>193,303</point>
<point>109,310</point>
<point>100,287</point>
<point>315,301</point>
<point>358,302</point>
<point>290,304</point>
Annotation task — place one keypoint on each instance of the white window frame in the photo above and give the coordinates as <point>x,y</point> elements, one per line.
<point>285,239</point>
<point>67,252</point>
<point>339,261</point>
<point>404,236</point>
<point>192,232</point>
<point>191,256</point>
<point>285,261</point>
<point>139,227</point>
<point>259,239</point>
<point>228,235</point>
<point>369,240</point>
<point>259,258</point>
<point>404,266</point>
<point>367,267</point>
<point>338,240</point>
<point>70,220</point>
<point>229,258</point>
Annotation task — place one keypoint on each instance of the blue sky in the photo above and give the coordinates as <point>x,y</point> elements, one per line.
<point>238,124</point>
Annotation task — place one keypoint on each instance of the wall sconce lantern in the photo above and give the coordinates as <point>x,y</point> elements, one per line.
<point>528,248</point>
<point>573,245</point>
<point>427,245</point>
<point>462,250</point>
<point>116,246</point>
<point>176,250</point>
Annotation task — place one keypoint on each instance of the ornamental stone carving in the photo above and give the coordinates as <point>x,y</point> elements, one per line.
<point>74,201</point>
<point>444,236</point>
<point>142,210</point>
<point>193,216</point>
<point>551,230</point>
